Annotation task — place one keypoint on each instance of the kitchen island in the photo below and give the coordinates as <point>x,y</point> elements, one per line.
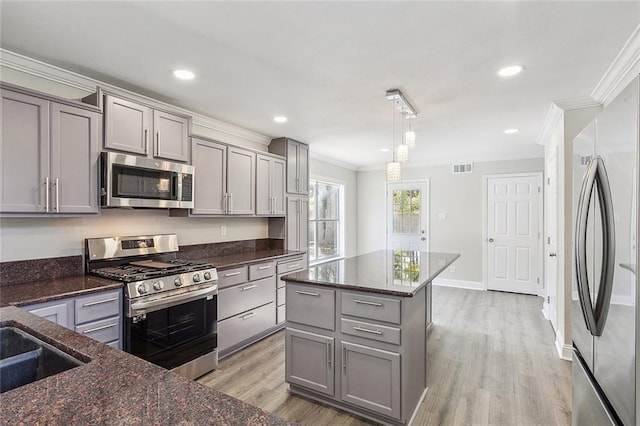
<point>356,332</point>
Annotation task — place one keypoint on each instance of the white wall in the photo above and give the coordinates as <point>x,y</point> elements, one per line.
<point>459,196</point>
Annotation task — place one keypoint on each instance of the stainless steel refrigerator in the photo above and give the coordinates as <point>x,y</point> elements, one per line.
<point>606,370</point>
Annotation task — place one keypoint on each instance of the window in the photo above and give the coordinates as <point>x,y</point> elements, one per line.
<point>325,221</point>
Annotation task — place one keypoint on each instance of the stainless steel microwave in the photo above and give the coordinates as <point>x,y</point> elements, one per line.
<point>133,181</point>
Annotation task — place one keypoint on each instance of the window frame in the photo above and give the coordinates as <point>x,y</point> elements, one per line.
<point>313,181</point>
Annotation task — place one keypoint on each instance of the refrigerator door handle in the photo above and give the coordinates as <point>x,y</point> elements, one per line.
<point>603,299</point>
<point>582,280</point>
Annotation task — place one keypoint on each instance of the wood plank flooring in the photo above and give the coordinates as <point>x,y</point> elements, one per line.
<point>491,361</point>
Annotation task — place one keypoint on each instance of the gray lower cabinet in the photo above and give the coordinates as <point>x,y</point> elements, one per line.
<point>48,155</point>
<point>240,328</point>
<point>310,360</point>
<point>98,315</point>
<point>270,185</point>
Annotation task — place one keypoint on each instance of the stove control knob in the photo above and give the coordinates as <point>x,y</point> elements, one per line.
<point>177,282</point>
<point>142,288</point>
<point>158,285</point>
<point>207,275</point>
<point>196,278</point>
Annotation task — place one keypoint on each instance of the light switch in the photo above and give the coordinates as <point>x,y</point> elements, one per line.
<point>442,216</point>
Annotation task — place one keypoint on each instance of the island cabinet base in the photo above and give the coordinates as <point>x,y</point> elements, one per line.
<point>359,351</point>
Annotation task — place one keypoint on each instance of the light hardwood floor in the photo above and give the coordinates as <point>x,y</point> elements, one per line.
<point>491,361</point>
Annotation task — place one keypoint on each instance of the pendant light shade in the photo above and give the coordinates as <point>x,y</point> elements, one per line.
<point>402,154</point>
<point>410,138</point>
<point>393,171</point>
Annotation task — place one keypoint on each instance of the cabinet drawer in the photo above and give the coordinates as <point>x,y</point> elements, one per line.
<point>97,306</point>
<point>293,265</point>
<point>240,327</point>
<point>103,331</point>
<point>311,306</point>
<point>281,314</point>
<point>234,300</point>
<point>371,307</point>
<point>262,270</point>
<point>233,276</point>
<point>281,296</point>
<point>370,331</point>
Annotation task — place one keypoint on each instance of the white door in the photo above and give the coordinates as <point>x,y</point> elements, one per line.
<point>408,216</point>
<point>513,225</point>
<point>551,221</point>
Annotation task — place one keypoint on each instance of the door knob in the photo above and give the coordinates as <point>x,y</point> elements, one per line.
<point>490,240</point>
<point>423,239</point>
<point>552,255</point>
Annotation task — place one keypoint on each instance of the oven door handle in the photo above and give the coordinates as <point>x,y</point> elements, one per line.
<point>165,302</point>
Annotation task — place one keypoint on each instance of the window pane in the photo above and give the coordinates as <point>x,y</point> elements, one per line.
<point>406,212</point>
<point>328,196</point>
<point>327,238</point>
<point>312,200</point>
<point>312,240</point>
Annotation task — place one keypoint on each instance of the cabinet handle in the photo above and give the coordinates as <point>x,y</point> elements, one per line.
<point>366,330</point>
<point>146,141</point>
<point>232,274</point>
<point>57,195</point>
<point>157,143</point>
<point>46,194</point>
<point>249,287</point>
<point>344,358</point>
<point>113,299</point>
<point>230,203</point>
<point>264,267</point>
<point>102,327</point>
<point>225,203</point>
<point>307,293</point>
<point>249,315</point>
<point>295,265</point>
<point>365,302</point>
<point>329,354</point>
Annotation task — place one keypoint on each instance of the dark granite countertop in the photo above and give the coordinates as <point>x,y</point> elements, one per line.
<point>232,260</point>
<point>397,273</point>
<point>58,288</point>
<point>115,388</point>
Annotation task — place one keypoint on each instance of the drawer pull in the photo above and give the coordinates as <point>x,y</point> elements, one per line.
<point>264,267</point>
<point>329,354</point>
<point>307,293</point>
<point>295,265</point>
<point>249,287</point>
<point>232,274</point>
<point>249,315</point>
<point>99,302</point>
<point>366,330</point>
<point>365,302</point>
<point>91,330</point>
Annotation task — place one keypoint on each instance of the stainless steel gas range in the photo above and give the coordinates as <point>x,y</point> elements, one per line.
<point>170,305</point>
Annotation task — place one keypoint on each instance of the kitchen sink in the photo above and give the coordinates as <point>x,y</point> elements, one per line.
<point>25,359</point>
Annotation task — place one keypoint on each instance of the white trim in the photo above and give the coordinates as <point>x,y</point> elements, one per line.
<point>470,285</point>
<point>320,157</point>
<point>554,115</point>
<point>577,103</point>
<point>68,78</point>
<point>619,72</point>
<point>564,351</point>
<point>545,312</point>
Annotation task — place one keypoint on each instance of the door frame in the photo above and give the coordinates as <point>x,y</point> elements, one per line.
<point>485,195</point>
<point>427,219</point>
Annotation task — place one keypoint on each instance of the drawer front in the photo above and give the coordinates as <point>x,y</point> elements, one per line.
<point>240,327</point>
<point>293,265</point>
<point>103,331</point>
<point>370,331</point>
<point>240,298</point>
<point>371,307</point>
<point>281,296</point>
<point>281,314</point>
<point>262,270</point>
<point>233,276</point>
<point>97,306</point>
<point>311,306</point>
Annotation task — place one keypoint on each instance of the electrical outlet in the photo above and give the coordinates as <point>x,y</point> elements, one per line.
<point>452,268</point>
<point>223,230</point>
<point>442,216</point>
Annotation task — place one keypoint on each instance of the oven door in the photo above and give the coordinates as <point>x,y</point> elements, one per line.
<point>176,334</point>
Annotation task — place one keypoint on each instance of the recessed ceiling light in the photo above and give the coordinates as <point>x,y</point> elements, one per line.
<point>184,74</point>
<point>280,119</point>
<point>510,70</point>
<point>385,149</point>
<point>511,131</point>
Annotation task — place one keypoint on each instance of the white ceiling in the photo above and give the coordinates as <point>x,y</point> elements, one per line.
<point>327,65</point>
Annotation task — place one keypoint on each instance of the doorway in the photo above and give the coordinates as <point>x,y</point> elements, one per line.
<point>512,232</point>
<point>408,216</point>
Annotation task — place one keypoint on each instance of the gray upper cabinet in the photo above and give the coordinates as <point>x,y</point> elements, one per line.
<point>297,224</point>
<point>241,181</point>
<point>270,177</point>
<point>297,154</point>
<point>139,129</point>
<point>49,156</point>
<point>210,183</point>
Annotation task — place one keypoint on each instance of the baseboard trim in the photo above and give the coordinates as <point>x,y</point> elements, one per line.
<point>470,285</point>
<point>564,350</point>
<point>545,311</point>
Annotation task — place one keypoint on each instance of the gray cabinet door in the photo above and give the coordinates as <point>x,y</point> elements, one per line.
<point>75,136</point>
<point>303,169</point>
<point>241,181</point>
<point>278,177</point>
<point>309,361</point>
<point>371,379</point>
<point>264,201</point>
<point>210,183</point>
<point>293,227</point>
<point>24,153</point>
<point>127,125</point>
<point>57,312</point>
<point>292,167</point>
<point>171,136</point>
<point>303,225</point>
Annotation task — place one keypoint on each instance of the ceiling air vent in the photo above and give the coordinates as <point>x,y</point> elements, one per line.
<point>584,160</point>
<point>462,168</point>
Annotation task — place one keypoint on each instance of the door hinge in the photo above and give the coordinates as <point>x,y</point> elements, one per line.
<point>548,299</point>
<point>548,181</point>
<point>538,234</point>
<point>538,190</point>
<point>548,240</point>
<point>538,280</point>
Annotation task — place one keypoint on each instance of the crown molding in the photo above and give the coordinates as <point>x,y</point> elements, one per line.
<point>330,160</point>
<point>68,78</point>
<point>554,115</point>
<point>577,103</point>
<point>455,159</point>
<point>620,71</point>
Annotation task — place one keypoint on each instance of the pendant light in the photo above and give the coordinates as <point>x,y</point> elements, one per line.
<point>407,139</point>
<point>410,136</point>
<point>393,167</point>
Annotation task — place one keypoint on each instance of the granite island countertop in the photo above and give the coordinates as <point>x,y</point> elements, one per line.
<point>114,387</point>
<point>392,272</point>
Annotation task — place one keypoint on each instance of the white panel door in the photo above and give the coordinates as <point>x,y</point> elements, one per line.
<point>408,216</point>
<point>551,221</point>
<point>513,225</point>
